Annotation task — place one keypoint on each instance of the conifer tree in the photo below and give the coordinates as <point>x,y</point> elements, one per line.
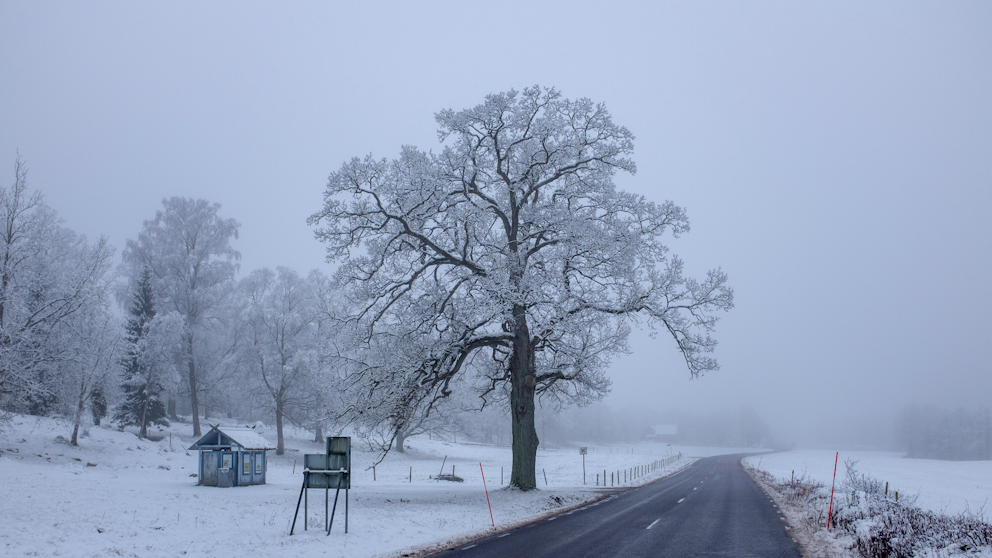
<point>142,405</point>
<point>98,405</point>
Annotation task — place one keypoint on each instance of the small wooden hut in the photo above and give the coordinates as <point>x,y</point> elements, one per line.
<point>231,457</point>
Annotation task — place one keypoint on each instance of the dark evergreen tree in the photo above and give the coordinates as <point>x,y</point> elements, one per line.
<point>142,405</point>
<point>98,405</point>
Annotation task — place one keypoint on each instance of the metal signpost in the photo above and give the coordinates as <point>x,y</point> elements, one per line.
<point>583,452</point>
<point>327,470</point>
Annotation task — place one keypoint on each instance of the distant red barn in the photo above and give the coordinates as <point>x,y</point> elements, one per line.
<point>665,433</point>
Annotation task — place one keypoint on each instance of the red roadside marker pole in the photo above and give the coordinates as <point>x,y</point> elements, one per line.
<point>830,511</point>
<point>487,495</point>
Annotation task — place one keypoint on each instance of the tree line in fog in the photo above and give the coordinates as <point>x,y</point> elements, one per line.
<point>931,432</point>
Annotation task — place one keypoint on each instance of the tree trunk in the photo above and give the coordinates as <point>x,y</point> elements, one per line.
<point>280,443</point>
<point>143,429</point>
<point>79,414</point>
<point>172,409</point>
<point>400,440</point>
<point>193,400</point>
<point>523,475</point>
<point>318,434</point>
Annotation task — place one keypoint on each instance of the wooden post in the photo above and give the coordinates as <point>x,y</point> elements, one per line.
<point>491,520</point>
<point>830,510</point>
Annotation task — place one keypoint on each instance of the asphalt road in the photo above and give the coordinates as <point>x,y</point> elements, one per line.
<point>712,508</point>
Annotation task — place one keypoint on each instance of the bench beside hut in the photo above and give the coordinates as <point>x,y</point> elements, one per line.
<point>232,457</point>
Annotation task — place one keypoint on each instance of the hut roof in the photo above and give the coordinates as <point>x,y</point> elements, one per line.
<point>246,438</point>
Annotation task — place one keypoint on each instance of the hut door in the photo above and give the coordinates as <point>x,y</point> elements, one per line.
<point>208,462</point>
<point>259,477</point>
<point>245,469</point>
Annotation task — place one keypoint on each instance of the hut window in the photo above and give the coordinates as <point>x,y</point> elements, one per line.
<point>247,463</point>
<point>258,464</point>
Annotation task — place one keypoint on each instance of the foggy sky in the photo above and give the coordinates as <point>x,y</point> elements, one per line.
<point>835,159</point>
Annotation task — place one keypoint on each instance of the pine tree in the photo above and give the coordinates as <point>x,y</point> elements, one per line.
<point>98,405</point>
<point>142,405</point>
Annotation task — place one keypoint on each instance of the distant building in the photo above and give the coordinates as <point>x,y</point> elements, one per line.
<point>665,433</point>
<point>232,457</point>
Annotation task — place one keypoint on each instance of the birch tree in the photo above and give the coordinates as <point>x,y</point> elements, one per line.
<point>281,320</point>
<point>187,249</point>
<point>90,361</point>
<point>513,252</point>
<point>49,276</point>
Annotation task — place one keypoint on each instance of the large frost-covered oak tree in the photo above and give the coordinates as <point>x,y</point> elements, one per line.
<point>512,256</point>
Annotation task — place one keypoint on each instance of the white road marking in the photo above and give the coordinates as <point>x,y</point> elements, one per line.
<point>653,523</point>
<point>695,488</point>
<point>680,501</point>
<point>504,535</point>
<point>468,547</point>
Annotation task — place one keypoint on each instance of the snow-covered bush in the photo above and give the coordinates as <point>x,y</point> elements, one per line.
<point>880,525</point>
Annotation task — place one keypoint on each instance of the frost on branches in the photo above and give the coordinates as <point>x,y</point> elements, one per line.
<point>282,320</point>
<point>54,319</point>
<point>187,252</point>
<point>512,258</point>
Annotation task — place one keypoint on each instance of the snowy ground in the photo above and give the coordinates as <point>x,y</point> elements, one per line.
<point>139,498</point>
<point>948,486</point>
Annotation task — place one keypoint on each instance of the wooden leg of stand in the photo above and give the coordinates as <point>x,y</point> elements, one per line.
<point>302,490</point>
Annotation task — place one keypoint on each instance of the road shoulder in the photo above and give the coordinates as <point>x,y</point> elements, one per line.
<point>813,543</point>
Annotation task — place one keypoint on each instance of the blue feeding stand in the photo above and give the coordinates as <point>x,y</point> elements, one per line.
<point>331,469</point>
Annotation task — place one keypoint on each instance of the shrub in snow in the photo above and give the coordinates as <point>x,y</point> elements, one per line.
<point>880,525</point>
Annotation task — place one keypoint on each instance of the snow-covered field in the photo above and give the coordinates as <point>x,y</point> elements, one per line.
<point>139,498</point>
<point>948,486</point>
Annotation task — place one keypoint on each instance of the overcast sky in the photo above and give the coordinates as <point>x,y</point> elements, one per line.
<point>835,159</point>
